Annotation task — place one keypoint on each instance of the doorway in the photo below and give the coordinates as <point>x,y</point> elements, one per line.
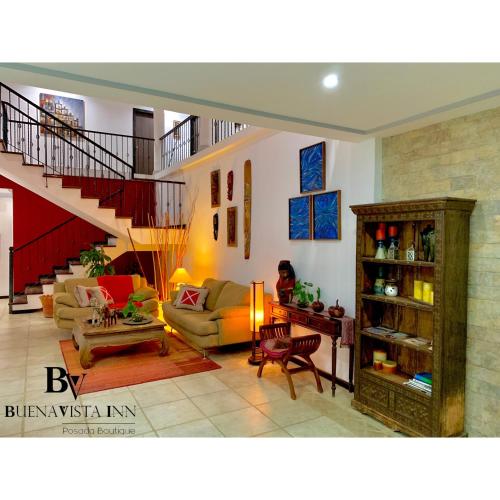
<point>143,131</point>
<point>6,238</point>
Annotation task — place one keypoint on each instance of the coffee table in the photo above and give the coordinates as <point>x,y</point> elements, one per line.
<point>87,337</point>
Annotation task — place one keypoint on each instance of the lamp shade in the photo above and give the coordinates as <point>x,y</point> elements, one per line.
<point>256,305</point>
<point>180,276</point>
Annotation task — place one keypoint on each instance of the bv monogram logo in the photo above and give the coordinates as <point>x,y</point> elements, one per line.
<point>58,374</point>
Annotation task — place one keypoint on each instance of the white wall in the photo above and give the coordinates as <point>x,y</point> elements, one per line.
<point>275,178</point>
<point>170,116</point>
<point>100,114</point>
<point>6,238</point>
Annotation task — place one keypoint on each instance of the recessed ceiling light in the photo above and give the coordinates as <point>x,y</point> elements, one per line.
<point>331,81</point>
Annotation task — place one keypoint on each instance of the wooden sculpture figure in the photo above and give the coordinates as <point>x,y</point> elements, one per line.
<point>286,282</point>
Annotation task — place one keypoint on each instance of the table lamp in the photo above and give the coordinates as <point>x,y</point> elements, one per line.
<point>180,277</point>
<point>256,318</point>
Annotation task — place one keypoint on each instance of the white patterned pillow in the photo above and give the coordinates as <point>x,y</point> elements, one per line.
<point>101,294</point>
<point>82,296</point>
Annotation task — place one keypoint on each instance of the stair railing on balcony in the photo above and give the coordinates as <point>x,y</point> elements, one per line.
<point>45,139</point>
<point>222,129</point>
<point>180,143</point>
<point>132,150</point>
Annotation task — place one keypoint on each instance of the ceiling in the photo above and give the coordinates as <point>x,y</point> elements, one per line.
<point>371,99</point>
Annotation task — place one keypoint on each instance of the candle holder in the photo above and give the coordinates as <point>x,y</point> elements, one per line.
<point>381,250</point>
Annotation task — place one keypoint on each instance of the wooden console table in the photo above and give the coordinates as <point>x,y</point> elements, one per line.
<point>322,323</point>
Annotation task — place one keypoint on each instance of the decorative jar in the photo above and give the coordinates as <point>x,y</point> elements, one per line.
<point>391,288</point>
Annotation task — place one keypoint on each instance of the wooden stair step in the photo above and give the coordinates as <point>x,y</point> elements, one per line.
<point>61,270</point>
<point>47,279</point>
<point>20,299</point>
<point>33,288</point>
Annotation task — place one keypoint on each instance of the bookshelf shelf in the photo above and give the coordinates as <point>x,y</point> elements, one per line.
<point>403,301</point>
<point>394,262</point>
<point>385,396</point>
<point>397,379</point>
<point>398,342</point>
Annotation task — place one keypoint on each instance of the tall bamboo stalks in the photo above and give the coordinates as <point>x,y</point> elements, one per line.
<point>169,246</point>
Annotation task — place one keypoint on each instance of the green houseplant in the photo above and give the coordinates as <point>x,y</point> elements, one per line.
<point>318,306</point>
<point>97,262</point>
<point>133,306</point>
<point>303,294</point>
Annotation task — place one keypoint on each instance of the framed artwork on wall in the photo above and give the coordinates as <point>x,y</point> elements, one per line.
<point>68,110</point>
<point>299,218</point>
<point>326,216</point>
<point>177,133</point>
<point>215,188</point>
<point>232,226</point>
<point>230,181</point>
<point>312,168</point>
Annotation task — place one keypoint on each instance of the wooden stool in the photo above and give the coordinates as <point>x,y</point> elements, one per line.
<point>278,345</point>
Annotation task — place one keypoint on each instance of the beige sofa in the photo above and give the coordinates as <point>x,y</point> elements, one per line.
<point>66,308</point>
<point>225,319</point>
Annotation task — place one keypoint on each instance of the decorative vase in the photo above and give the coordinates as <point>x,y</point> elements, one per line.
<point>302,305</point>
<point>381,251</point>
<point>317,306</point>
<point>379,286</point>
<point>391,288</point>
<point>336,311</point>
<point>393,251</point>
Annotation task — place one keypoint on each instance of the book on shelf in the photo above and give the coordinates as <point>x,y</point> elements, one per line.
<point>388,333</point>
<point>419,386</point>
<point>418,341</point>
<point>422,381</point>
<point>424,377</point>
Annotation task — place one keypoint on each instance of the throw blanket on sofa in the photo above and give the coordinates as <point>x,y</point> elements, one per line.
<point>119,287</point>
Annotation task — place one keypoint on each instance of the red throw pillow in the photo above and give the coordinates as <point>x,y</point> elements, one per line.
<point>119,287</point>
<point>191,297</point>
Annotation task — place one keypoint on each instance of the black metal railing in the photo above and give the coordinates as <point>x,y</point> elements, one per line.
<point>222,129</point>
<point>77,157</point>
<point>133,150</point>
<point>45,139</point>
<point>180,143</point>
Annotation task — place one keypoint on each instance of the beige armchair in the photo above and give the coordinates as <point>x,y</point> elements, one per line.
<point>66,308</point>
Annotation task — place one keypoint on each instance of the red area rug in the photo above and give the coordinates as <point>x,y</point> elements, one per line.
<point>119,367</point>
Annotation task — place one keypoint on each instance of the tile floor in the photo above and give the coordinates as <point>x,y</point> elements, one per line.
<point>229,402</point>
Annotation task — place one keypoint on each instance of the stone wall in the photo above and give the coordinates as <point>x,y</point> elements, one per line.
<point>461,158</point>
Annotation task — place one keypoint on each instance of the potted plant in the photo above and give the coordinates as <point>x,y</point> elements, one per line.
<point>318,306</point>
<point>97,262</point>
<point>133,306</point>
<point>301,291</point>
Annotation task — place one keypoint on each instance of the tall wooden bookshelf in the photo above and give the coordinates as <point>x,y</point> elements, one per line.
<point>443,324</point>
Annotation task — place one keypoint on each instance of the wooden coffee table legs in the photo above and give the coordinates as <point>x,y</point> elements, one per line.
<point>87,358</point>
<point>164,346</point>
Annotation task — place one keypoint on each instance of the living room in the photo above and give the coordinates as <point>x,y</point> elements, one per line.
<point>282,251</point>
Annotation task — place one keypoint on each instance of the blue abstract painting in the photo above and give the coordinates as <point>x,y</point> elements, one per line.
<point>299,218</point>
<point>326,216</point>
<point>312,168</point>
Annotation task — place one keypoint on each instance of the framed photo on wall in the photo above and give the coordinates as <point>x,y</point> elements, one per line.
<point>326,216</point>
<point>215,188</point>
<point>232,226</point>
<point>312,168</point>
<point>299,218</point>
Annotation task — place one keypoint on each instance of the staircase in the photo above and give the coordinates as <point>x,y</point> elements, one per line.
<point>43,154</point>
<point>29,299</point>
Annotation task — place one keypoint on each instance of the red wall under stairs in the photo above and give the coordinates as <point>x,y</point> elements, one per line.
<point>33,215</point>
